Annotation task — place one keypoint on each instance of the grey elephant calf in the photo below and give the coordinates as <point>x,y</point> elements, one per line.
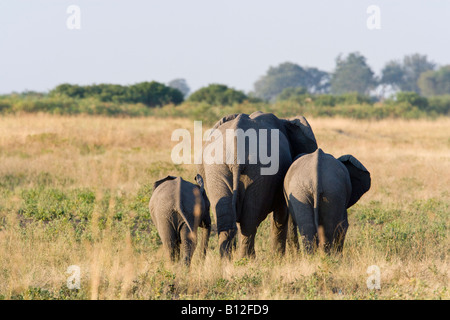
<point>319,189</point>
<point>178,208</point>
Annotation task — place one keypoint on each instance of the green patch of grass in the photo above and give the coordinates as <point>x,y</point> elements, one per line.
<point>95,149</point>
<point>12,180</point>
<point>402,231</point>
<point>47,204</point>
<point>374,213</point>
<point>164,168</point>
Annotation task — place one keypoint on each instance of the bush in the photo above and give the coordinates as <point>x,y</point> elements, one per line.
<point>439,104</point>
<point>324,100</point>
<point>292,93</point>
<point>411,98</point>
<point>215,101</point>
<point>154,94</point>
<point>302,97</point>
<point>353,98</point>
<point>218,94</point>
<point>151,94</point>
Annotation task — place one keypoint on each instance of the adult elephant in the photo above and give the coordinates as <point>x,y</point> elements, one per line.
<point>247,185</point>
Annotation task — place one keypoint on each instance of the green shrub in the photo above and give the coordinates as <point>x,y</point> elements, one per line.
<point>47,204</point>
<point>215,101</point>
<point>324,100</point>
<point>439,104</point>
<point>218,94</point>
<point>353,98</point>
<point>292,93</point>
<point>411,98</point>
<point>151,94</point>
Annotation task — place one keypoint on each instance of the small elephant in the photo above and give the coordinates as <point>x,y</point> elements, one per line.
<point>319,189</point>
<point>178,208</point>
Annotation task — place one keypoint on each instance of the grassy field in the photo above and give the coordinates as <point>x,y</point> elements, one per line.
<point>74,191</point>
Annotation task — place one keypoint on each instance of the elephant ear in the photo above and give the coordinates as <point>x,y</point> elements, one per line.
<point>359,177</point>
<point>159,182</point>
<point>225,119</point>
<point>199,179</point>
<point>300,135</point>
<point>256,114</point>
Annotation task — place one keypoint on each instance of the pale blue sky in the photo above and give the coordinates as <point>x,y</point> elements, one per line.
<point>205,41</point>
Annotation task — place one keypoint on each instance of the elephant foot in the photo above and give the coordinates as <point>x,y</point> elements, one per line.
<point>247,246</point>
<point>226,242</point>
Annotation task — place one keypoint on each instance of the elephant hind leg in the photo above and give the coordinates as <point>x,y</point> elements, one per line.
<point>279,228</point>
<point>340,233</point>
<point>219,182</point>
<point>188,244</point>
<point>303,214</point>
<point>292,235</point>
<point>227,242</point>
<point>247,244</point>
<point>248,225</point>
<point>171,244</point>
<point>333,217</point>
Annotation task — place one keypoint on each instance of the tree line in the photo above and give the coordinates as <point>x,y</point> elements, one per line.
<point>412,81</point>
<point>352,74</point>
<point>414,73</point>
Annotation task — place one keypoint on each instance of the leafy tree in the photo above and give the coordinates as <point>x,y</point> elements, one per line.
<point>291,92</point>
<point>218,94</point>
<point>414,65</point>
<point>393,74</point>
<point>352,74</point>
<point>290,75</point>
<point>154,94</point>
<point>412,98</point>
<point>181,85</point>
<point>404,75</point>
<point>107,92</point>
<point>437,82</point>
<point>318,81</point>
<point>149,93</point>
<point>71,90</point>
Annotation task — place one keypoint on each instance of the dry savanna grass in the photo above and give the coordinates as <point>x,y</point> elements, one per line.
<point>74,191</point>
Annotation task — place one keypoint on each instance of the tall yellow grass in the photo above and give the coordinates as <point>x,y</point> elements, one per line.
<point>409,162</point>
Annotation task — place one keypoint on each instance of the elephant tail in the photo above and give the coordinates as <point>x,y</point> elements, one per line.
<point>236,178</point>
<point>317,187</point>
<point>179,203</point>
